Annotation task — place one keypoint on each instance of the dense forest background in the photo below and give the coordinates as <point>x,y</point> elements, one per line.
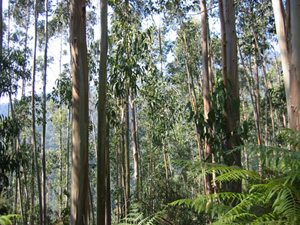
<point>149,112</point>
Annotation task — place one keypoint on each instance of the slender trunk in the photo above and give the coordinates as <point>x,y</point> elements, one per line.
<point>101,168</point>
<point>119,175</point>
<point>166,168</point>
<point>206,89</point>
<point>68,158</point>
<point>134,145</point>
<point>34,144</point>
<point>91,204</point>
<point>127,165</point>
<point>108,196</point>
<point>277,66</point>
<point>26,197</point>
<point>268,102</point>
<point>257,96</point>
<point>60,134</point>
<point>60,160</point>
<point>257,106</point>
<point>25,48</point>
<point>80,125</point>
<point>32,192</point>
<point>123,173</point>
<point>94,131</point>
<point>192,96</point>
<point>44,117</point>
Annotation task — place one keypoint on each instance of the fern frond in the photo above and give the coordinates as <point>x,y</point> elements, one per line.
<point>236,218</point>
<point>6,220</point>
<point>153,219</point>
<point>211,203</point>
<point>237,174</point>
<point>136,216</point>
<point>292,176</point>
<point>287,204</point>
<point>218,168</point>
<point>133,216</point>
<point>268,218</point>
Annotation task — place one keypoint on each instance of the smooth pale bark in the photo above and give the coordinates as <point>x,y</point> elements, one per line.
<point>127,145</point>
<point>101,164</point>
<point>44,117</point>
<point>68,158</point>
<point>127,165</point>
<point>134,145</point>
<point>206,89</point>
<point>288,31</point>
<point>32,192</point>
<point>79,179</point>
<point>34,144</point>
<point>231,82</point>
<point>123,170</point>
<point>60,133</point>
<point>25,47</point>
<point>107,168</point>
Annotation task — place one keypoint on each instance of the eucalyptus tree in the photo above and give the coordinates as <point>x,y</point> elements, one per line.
<point>34,142</point>
<point>128,50</point>
<point>206,89</point>
<point>287,29</point>
<point>44,116</point>
<point>231,83</point>
<point>80,90</point>
<point>102,161</point>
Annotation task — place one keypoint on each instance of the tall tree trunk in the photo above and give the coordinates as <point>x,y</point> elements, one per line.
<point>257,95</point>
<point>231,82</point>
<point>192,94</point>
<point>25,48</point>
<point>32,191</point>
<point>44,116</point>
<point>101,182</point>
<point>107,165</point>
<point>288,31</point>
<point>80,90</point>
<point>134,145</point>
<point>127,165</point>
<point>60,159</point>
<point>206,89</point>
<point>68,158</point>
<point>60,132</point>
<point>123,169</point>
<point>257,106</point>
<point>34,144</point>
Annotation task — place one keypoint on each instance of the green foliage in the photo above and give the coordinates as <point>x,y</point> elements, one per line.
<point>136,216</point>
<point>274,198</point>
<point>6,220</point>
<point>9,160</point>
<point>11,70</point>
<point>62,93</point>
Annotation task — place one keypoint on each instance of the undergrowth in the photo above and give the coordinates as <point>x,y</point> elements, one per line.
<point>273,198</point>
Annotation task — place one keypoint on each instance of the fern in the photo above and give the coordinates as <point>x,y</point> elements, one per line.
<point>274,199</point>
<point>6,220</point>
<point>136,216</point>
